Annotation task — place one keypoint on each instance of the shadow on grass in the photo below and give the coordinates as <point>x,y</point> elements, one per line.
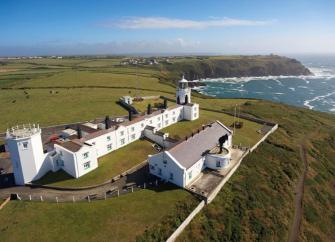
<point>53,177</point>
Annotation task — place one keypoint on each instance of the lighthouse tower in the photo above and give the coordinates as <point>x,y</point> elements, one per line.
<point>183,94</point>
<point>26,152</point>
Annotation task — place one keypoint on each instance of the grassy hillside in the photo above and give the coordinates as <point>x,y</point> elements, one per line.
<point>257,204</point>
<point>236,66</point>
<point>120,219</point>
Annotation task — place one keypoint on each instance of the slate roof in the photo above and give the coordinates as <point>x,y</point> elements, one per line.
<point>191,150</point>
<point>71,145</point>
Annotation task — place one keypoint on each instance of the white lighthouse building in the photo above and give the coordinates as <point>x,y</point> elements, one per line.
<point>25,146</point>
<point>77,153</point>
<point>183,93</point>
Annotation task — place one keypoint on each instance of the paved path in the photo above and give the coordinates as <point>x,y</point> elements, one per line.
<point>299,194</point>
<point>138,178</point>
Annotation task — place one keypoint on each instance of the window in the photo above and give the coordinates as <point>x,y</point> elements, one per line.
<point>195,115</point>
<point>159,118</point>
<point>122,141</point>
<point>85,155</point>
<point>174,112</point>
<point>152,167</point>
<point>60,162</point>
<point>174,119</point>
<point>190,175</point>
<point>109,147</point>
<point>142,125</point>
<point>122,133</point>
<point>61,153</point>
<point>132,129</point>
<point>166,115</point>
<point>171,176</point>
<point>150,121</point>
<point>166,122</point>
<point>159,171</point>
<point>93,143</point>
<point>87,165</point>
<point>108,138</point>
<point>25,145</point>
<point>164,162</point>
<point>218,164</point>
<point>133,136</point>
<point>159,125</point>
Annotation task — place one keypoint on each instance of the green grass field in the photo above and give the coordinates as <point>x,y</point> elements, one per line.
<point>117,219</point>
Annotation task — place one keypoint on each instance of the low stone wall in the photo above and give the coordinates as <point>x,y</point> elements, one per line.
<point>183,225</point>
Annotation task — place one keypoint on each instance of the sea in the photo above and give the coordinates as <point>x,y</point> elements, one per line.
<point>315,92</point>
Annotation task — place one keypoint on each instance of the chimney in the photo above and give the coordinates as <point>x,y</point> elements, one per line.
<point>165,104</point>
<point>130,115</point>
<point>79,133</point>
<point>149,110</point>
<point>192,134</point>
<point>107,122</point>
<point>186,137</point>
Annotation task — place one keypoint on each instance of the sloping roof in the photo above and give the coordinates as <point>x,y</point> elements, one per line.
<point>71,145</point>
<point>190,151</point>
<point>87,129</point>
<point>98,133</point>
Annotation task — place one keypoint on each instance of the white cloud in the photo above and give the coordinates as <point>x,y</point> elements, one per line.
<point>173,23</point>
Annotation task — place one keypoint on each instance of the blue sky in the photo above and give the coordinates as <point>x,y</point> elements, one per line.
<point>147,26</point>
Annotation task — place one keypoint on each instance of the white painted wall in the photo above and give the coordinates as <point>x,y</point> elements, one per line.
<point>195,171</point>
<point>191,112</point>
<point>165,163</point>
<point>223,161</point>
<point>27,162</point>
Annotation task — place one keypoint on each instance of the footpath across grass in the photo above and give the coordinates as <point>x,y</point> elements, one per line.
<point>117,219</point>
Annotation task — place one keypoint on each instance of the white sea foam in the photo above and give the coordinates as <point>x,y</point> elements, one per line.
<point>307,103</point>
<point>318,73</point>
<point>292,88</point>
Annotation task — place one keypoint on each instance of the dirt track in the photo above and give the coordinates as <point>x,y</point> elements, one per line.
<point>299,194</point>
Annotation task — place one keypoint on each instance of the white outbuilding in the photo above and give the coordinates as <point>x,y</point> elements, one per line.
<point>184,162</point>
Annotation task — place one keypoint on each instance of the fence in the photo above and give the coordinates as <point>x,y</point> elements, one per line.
<point>109,192</point>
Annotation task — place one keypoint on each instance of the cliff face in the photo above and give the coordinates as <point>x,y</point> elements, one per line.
<point>237,66</point>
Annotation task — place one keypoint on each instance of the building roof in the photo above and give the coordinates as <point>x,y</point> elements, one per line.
<point>98,133</point>
<point>71,145</point>
<point>87,129</point>
<point>191,150</point>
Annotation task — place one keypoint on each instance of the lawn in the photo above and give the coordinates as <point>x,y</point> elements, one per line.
<point>110,165</point>
<point>143,105</point>
<point>66,106</point>
<point>116,219</point>
<point>247,136</point>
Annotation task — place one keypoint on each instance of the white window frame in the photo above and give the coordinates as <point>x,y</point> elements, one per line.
<point>25,145</point>
<point>87,165</point>
<point>109,147</point>
<point>86,155</point>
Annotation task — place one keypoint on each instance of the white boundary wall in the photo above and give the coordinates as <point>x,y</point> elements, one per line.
<point>183,225</point>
